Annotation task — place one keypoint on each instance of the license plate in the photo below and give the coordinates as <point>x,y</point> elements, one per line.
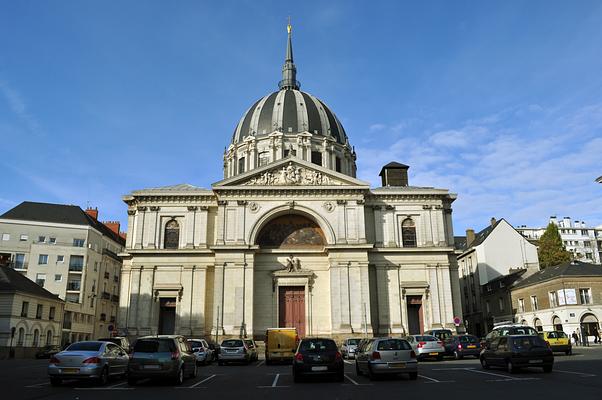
<point>535,361</point>
<point>433,354</point>
<point>472,347</point>
<point>319,368</point>
<point>397,365</point>
<point>152,367</point>
<point>70,370</point>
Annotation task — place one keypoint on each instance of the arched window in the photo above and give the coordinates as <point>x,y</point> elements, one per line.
<point>21,337</point>
<point>408,233</point>
<point>36,338</point>
<point>48,338</point>
<point>172,235</point>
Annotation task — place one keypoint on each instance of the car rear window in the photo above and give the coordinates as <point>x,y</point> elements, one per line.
<point>155,346</point>
<point>393,344</point>
<point>232,343</point>
<point>85,346</point>
<point>528,342</point>
<point>524,330</point>
<point>353,342</point>
<point>426,338</point>
<point>318,345</point>
<point>561,335</point>
<point>469,339</point>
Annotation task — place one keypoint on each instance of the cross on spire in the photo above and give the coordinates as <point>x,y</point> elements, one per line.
<point>289,71</point>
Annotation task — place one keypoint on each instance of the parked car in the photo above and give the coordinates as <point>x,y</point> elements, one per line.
<point>48,351</point>
<point>162,356</point>
<point>318,356</point>
<point>517,351</point>
<point>558,341</point>
<point>88,360</point>
<point>252,348</point>
<point>120,341</point>
<point>461,346</point>
<point>280,344</point>
<point>202,350</point>
<point>386,356</point>
<point>233,350</point>
<point>508,329</point>
<point>426,346</point>
<point>349,347</point>
<point>441,334</point>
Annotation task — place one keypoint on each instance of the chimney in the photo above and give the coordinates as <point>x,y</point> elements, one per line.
<point>493,221</point>
<point>113,225</point>
<point>93,212</point>
<point>394,174</point>
<point>469,237</point>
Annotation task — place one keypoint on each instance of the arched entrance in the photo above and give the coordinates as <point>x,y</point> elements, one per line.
<point>557,323</point>
<point>290,247</point>
<point>589,324</point>
<point>538,325</point>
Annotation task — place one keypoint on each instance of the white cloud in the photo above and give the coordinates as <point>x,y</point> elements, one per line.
<point>18,107</point>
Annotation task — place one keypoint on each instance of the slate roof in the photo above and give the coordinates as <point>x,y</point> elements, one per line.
<point>572,268</point>
<point>59,214</point>
<point>460,241</point>
<point>12,281</point>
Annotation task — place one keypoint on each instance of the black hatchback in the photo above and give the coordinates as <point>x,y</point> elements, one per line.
<point>518,351</point>
<point>318,357</point>
<point>461,346</point>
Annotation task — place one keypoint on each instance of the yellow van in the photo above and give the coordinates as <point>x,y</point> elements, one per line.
<point>558,341</point>
<point>280,344</point>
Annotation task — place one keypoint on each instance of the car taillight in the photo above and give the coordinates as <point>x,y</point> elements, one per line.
<point>375,355</point>
<point>413,354</point>
<point>175,355</point>
<point>91,360</point>
<point>420,344</point>
<point>299,357</point>
<point>440,343</point>
<point>459,346</point>
<point>54,360</point>
<point>338,356</point>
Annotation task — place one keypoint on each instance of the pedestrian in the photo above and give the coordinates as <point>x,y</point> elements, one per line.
<point>584,337</point>
<point>596,336</point>
<point>575,338</point>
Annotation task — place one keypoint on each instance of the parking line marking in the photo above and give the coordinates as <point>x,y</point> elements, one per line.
<point>104,388</point>
<point>433,380</point>
<point>354,382</point>
<point>38,385</point>
<point>492,374</point>
<point>451,369</point>
<point>260,363</point>
<point>116,385</point>
<point>200,382</point>
<point>348,362</point>
<point>585,375</point>
<point>275,380</point>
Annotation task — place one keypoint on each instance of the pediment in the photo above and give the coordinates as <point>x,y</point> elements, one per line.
<point>289,172</point>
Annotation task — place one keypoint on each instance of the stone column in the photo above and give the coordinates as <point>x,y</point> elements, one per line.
<point>378,226</point>
<point>189,221</point>
<point>139,227</point>
<point>200,227</point>
<point>335,297</point>
<point>134,304</point>
<point>151,235</point>
<point>199,293</point>
<point>361,221</point>
<point>342,221</point>
<point>220,222</point>
<point>390,226</point>
<point>129,240</point>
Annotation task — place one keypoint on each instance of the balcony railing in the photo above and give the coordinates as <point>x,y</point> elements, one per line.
<point>106,295</point>
<point>76,267</point>
<point>18,265</point>
<point>73,285</point>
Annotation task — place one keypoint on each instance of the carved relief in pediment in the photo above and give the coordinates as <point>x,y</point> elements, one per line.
<point>292,175</point>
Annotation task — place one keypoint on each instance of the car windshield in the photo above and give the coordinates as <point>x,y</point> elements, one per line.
<point>469,339</point>
<point>561,335</point>
<point>232,343</point>
<point>85,346</point>
<point>524,330</point>
<point>442,334</point>
<point>353,342</point>
<point>527,342</point>
<point>393,344</point>
<point>154,346</point>
<point>318,345</point>
<point>195,343</point>
<point>426,338</point>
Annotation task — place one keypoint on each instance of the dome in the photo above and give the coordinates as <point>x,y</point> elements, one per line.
<point>289,111</point>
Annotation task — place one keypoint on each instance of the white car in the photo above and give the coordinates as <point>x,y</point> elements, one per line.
<point>202,351</point>
<point>349,347</point>
<point>426,346</point>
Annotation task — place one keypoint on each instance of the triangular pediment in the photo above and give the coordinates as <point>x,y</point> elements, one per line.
<point>291,171</point>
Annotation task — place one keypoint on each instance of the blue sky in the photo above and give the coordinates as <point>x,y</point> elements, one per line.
<point>499,101</point>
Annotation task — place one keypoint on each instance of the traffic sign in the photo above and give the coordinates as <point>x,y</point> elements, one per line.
<point>111,328</point>
<point>457,321</point>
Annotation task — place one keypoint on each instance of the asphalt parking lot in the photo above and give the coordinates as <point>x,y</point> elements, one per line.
<point>579,375</point>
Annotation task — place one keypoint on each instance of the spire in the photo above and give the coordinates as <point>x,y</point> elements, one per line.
<point>289,71</point>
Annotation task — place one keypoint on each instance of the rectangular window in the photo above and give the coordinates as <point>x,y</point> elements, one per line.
<point>58,278</point>
<point>5,236</point>
<point>72,297</point>
<point>290,153</point>
<point>23,238</point>
<point>316,157</point>
<point>241,165</point>
<point>264,158</point>
<point>19,261</point>
<point>337,164</point>
<point>43,259</point>
<point>60,258</point>
<point>52,240</point>
<point>41,239</point>
<point>76,263</point>
<point>534,305</point>
<point>501,303</point>
<point>24,309</point>
<point>553,296</point>
<point>51,312</point>
<point>585,295</point>
<point>78,242</point>
<point>521,305</point>
<point>41,279</point>
<point>39,310</point>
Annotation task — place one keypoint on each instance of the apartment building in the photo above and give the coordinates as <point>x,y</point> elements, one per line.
<point>585,243</point>
<point>67,251</point>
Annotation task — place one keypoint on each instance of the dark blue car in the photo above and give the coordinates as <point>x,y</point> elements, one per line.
<point>461,346</point>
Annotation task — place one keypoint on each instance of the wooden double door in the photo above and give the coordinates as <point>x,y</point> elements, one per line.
<point>291,307</point>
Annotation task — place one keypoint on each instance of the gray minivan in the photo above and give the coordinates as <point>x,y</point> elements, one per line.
<point>163,356</point>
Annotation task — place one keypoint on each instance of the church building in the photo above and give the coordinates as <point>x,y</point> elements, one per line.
<point>289,238</point>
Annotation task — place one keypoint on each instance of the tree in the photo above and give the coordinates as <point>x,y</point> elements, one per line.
<point>551,250</point>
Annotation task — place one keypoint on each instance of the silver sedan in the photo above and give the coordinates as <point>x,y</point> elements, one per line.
<point>88,360</point>
<point>426,346</point>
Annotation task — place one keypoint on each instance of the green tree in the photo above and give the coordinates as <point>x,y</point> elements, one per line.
<point>551,250</point>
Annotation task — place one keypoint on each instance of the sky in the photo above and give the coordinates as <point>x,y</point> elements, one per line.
<point>498,101</point>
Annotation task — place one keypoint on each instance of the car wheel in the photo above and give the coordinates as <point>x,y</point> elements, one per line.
<point>484,363</point>
<point>56,381</point>
<point>104,377</point>
<point>457,355</point>
<point>547,369</point>
<point>180,377</point>
<point>413,376</point>
<point>510,367</point>
<point>358,372</point>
